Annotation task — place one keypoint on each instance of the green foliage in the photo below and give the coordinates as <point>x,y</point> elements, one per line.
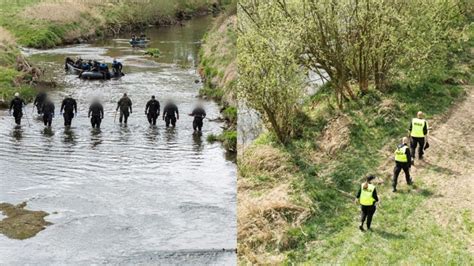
<point>270,76</point>
<point>228,139</point>
<point>153,52</point>
<point>230,114</point>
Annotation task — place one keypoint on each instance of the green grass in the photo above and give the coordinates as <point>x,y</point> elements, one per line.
<point>227,137</point>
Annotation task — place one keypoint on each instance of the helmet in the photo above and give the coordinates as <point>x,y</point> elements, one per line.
<point>17,94</point>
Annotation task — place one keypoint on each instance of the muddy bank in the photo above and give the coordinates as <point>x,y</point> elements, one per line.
<point>21,223</point>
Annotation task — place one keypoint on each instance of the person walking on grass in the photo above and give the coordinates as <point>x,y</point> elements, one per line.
<point>367,197</point>
<point>402,162</point>
<point>418,132</point>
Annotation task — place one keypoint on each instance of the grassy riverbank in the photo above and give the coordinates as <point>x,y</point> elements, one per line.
<point>295,201</point>
<point>218,68</point>
<point>44,24</point>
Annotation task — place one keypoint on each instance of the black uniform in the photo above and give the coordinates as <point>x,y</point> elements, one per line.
<point>39,100</point>
<point>125,106</point>
<point>69,106</point>
<point>399,166</point>
<point>152,110</point>
<point>199,114</point>
<point>48,113</point>
<point>96,113</point>
<point>367,212</point>
<point>17,105</point>
<point>170,113</point>
<point>117,67</point>
<point>415,141</point>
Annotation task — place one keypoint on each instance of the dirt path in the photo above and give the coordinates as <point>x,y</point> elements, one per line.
<point>448,168</point>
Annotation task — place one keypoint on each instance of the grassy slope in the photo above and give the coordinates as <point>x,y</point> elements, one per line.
<point>219,70</point>
<point>329,178</point>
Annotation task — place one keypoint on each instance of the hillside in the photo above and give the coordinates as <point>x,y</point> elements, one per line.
<point>296,200</point>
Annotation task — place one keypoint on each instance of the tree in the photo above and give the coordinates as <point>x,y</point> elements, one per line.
<point>270,76</point>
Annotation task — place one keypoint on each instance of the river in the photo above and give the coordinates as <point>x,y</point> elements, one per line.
<point>122,195</point>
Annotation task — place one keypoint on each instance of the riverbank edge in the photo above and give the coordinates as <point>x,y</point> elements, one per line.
<point>292,198</point>
<point>217,68</point>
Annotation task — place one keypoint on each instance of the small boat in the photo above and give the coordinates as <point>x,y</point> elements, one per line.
<point>138,42</point>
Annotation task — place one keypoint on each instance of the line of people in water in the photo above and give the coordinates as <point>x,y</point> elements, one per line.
<point>46,108</point>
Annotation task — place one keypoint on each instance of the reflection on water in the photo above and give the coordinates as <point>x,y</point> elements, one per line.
<point>122,193</point>
<point>197,142</point>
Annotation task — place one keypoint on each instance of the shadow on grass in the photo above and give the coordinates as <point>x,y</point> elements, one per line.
<point>388,235</point>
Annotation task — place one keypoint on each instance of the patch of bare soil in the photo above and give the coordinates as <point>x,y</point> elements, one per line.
<point>21,223</point>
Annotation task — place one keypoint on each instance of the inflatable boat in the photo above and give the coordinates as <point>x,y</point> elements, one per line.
<point>140,42</point>
<point>94,75</point>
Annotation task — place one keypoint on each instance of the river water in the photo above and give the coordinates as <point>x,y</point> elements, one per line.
<point>123,195</point>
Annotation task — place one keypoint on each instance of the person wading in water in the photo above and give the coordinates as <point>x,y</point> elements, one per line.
<point>199,114</point>
<point>170,113</point>
<point>48,112</point>
<point>125,106</point>
<point>17,105</point>
<point>69,106</point>
<point>96,113</point>
<point>152,110</point>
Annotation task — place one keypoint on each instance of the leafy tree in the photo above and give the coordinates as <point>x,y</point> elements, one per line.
<point>270,76</point>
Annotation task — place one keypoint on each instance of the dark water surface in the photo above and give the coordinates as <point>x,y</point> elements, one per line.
<point>123,195</point>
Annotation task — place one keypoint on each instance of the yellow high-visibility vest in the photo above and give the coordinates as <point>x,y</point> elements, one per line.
<point>417,126</point>
<point>400,155</point>
<point>366,197</point>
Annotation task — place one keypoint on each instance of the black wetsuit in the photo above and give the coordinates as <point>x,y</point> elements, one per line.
<point>125,106</point>
<point>69,106</point>
<point>152,110</point>
<point>199,115</point>
<point>170,112</point>
<point>367,212</point>
<point>39,100</point>
<point>117,68</point>
<point>415,141</point>
<point>96,113</point>
<point>17,105</point>
<point>405,166</point>
<point>48,113</point>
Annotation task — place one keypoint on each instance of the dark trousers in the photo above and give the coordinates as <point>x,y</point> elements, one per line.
<point>95,121</point>
<point>396,171</point>
<point>197,124</point>
<point>47,119</point>
<point>68,116</point>
<point>367,212</point>
<point>17,116</point>
<point>152,118</point>
<point>420,142</point>
<point>170,120</point>
<point>124,116</point>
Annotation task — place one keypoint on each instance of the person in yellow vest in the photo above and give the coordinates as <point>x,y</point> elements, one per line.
<point>367,197</point>
<point>402,162</point>
<point>418,132</point>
